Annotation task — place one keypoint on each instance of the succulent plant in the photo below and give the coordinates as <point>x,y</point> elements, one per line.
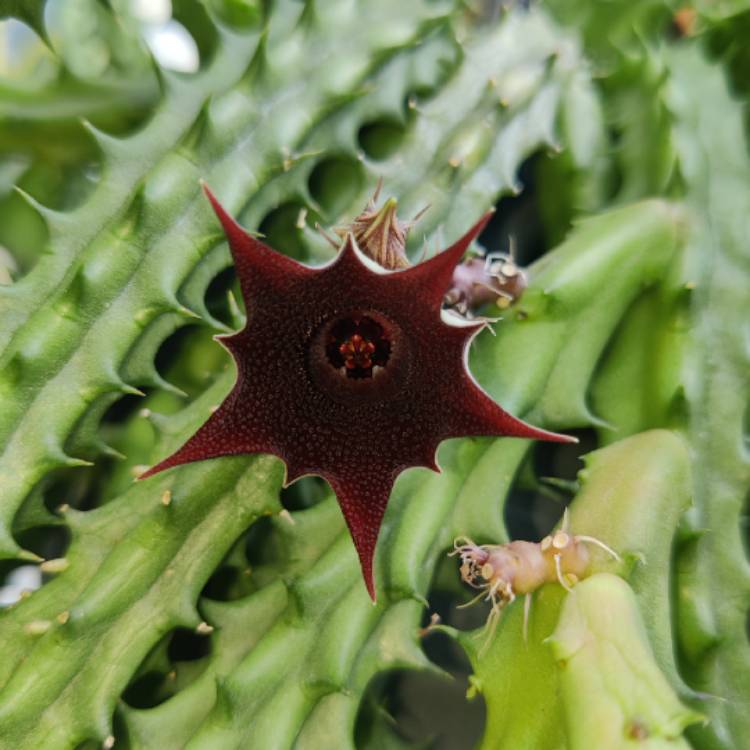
<point>627,125</point>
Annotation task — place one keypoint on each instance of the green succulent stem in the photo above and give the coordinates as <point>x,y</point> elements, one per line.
<point>633,329</point>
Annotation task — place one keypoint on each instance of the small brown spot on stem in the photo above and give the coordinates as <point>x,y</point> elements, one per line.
<point>637,730</point>
<point>684,21</point>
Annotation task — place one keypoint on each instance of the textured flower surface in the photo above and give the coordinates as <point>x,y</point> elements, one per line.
<point>349,372</point>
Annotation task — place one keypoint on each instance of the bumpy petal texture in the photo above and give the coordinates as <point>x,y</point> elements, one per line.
<point>349,372</point>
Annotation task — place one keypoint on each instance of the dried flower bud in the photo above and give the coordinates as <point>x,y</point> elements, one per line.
<point>503,571</point>
<point>481,281</point>
<point>380,234</point>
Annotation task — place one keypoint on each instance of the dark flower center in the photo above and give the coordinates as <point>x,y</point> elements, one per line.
<point>356,345</point>
<point>357,357</point>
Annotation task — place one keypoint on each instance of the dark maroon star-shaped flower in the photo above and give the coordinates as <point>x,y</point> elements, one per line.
<point>349,372</point>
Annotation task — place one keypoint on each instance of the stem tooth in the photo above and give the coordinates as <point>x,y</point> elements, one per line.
<point>37,627</point>
<point>55,565</point>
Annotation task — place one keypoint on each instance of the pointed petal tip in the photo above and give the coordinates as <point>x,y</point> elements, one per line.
<point>171,462</point>
<point>451,257</point>
<point>366,555</point>
<point>499,422</point>
<point>556,437</point>
<point>146,474</point>
<point>363,512</point>
<point>167,463</point>
<point>212,199</point>
<point>228,222</point>
<point>370,585</point>
<point>552,437</point>
<point>483,221</point>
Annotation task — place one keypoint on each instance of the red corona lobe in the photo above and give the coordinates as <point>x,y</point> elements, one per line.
<point>347,372</point>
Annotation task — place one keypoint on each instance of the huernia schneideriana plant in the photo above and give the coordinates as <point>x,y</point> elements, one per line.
<point>350,372</point>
